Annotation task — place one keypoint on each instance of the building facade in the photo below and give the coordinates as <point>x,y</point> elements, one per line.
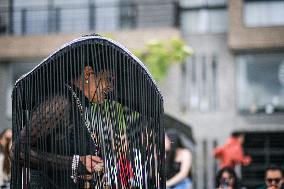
<point>233,82</point>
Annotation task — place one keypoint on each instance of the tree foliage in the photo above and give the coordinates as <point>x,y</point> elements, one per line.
<point>158,56</point>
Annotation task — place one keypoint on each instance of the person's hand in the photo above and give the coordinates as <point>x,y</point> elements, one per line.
<point>247,160</point>
<point>92,163</point>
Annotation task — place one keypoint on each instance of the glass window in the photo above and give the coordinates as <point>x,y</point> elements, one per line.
<point>264,13</point>
<point>128,13</point>
<point>260,83</point>
<point>74,19</point>
<point>199,81</point>
<point>107,17</point>
<point>204,21</point>
<point>194,3</point>
<point>186,3</point>
<point>30,21</point>
<point>63,16</point>
<point>29,3</point>
<point>218,21</point>
<point>216,2</point>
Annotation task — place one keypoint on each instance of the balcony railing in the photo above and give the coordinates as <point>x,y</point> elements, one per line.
<point>56,18</point>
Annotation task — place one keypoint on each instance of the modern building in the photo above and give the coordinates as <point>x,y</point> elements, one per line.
<point>234,80</point>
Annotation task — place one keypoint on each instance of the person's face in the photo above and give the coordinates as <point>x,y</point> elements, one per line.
<point>98,85</point>
<point>8,134</point>
<point>273,179</point>
<point>167,143</point>
<point>241,138</point>
<point>227,179</point>
<point>6,137</point>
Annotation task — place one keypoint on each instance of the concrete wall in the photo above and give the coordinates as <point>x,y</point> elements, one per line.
<point>5,120</point>
<point>210,126</point>
<point>28,47</point>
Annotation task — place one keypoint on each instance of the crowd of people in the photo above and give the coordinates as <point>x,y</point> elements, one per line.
<point>179,163</point>
<point>227,179</point>
<point>231,154</point>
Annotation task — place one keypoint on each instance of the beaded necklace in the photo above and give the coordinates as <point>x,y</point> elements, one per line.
<point>86,122</point>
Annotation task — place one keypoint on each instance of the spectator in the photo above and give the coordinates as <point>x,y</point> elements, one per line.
<point>227,179</point>
<point>273,178</point>
<point>5,136</point>
<point>5,166</point>
<point>231,153</point>
<point>178,162</point>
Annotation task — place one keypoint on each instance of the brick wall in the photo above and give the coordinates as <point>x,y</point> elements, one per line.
<point>241,38</point>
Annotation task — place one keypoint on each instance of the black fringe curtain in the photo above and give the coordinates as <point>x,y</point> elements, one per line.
<point>91,98</point>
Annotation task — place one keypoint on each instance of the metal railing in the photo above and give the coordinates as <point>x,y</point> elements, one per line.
<point>59,18</point>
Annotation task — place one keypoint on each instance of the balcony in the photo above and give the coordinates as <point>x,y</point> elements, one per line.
<point>33,30</point>
<point>54,18</point>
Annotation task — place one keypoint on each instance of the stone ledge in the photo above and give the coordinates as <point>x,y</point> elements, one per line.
<point>39,46</point>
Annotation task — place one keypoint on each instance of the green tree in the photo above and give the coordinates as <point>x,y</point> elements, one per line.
<point>158,56</point>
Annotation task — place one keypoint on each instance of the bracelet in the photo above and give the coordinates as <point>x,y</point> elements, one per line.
<point>75,163</point>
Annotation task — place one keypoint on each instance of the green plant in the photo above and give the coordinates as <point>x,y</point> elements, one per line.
<point>158,56</point>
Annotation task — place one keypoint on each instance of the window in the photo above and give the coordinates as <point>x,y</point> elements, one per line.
<point>128,12</point>
<point>193,3</point>
<point>33,17</point>
<point>107,15</point>
<point>204,16</point>
<point>73,16</point>
<point>263,13</point>
<point>260,83</point>
<point>199,81</point>
<point>4,17</point>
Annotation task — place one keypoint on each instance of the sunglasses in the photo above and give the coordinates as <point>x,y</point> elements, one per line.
<point>276,180</point>
<point>225,182</point>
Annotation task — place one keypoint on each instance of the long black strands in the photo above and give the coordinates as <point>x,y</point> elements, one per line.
<point>88,116</point>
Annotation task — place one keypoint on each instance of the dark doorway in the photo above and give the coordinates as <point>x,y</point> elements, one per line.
<point>265,148</point>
